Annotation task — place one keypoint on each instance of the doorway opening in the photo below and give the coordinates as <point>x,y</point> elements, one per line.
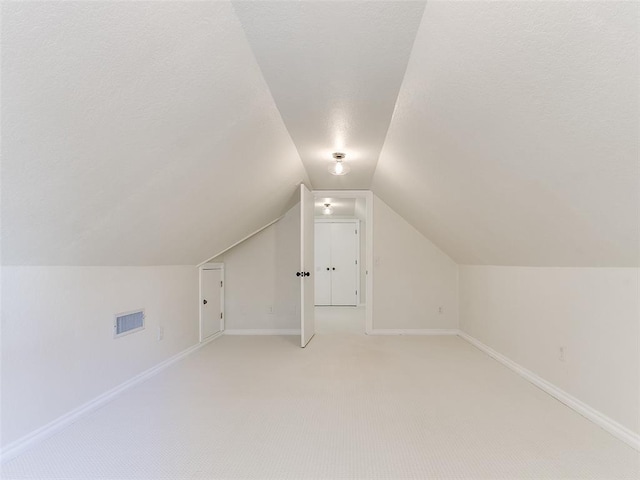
<point>343,255</point>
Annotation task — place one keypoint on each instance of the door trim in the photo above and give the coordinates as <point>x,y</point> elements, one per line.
<point>210,266</point>
<point>368,196</point>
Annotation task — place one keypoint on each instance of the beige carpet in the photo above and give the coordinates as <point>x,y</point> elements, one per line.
<point>338,320</point>
<point>347,406</point>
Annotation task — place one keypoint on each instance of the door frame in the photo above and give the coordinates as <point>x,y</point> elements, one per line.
<point>368,196</point>
<point>210,266</point>
<point>356,222</point>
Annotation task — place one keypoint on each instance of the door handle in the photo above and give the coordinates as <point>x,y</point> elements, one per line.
<point>306,274</point>
<point>328,268</point>
<point>204,302</point>
<point>334,268</point>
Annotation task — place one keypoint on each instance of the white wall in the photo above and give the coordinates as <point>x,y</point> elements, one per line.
<point>261,289</point>
<point>58,350</point>
<point>412,279</point>
<point>528,313</point>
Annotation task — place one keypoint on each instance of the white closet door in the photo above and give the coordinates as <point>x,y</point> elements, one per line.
<point>344,269</point>
<point>323,263</point>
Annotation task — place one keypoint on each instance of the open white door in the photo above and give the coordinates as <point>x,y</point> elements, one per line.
<point>307,314</point>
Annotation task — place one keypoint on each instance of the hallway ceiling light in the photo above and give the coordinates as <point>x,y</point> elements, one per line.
<point>339,167</point>
<point>327,210</point>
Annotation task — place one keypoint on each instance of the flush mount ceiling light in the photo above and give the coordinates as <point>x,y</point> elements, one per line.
<point>339,167</point>
<point>327,210</point>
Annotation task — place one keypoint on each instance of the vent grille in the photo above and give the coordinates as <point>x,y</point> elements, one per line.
<point>129,322</point>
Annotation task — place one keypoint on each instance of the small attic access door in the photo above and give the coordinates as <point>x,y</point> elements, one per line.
<point>211,300</point>
<point>307,307</point>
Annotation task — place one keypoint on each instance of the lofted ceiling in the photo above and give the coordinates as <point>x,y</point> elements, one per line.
<point>334,70</point>
<point>139,133</point>
<point>135,133</point>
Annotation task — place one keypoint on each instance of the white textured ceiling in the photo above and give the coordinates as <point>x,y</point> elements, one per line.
<point>334,70</point>
<point>139,133</point>
<point>515,136</point>
<point>135,133</point>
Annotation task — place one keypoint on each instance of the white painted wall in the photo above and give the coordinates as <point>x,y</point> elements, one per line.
<point>58,350</point>
<point>413,278</point>
<point>261,288</point>
<point>528,313</point>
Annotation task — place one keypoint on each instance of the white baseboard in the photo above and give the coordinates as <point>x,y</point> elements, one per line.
<point>414,331</point>
<point>611,426</point>
<point>263,331</point>
<point>16,447</point>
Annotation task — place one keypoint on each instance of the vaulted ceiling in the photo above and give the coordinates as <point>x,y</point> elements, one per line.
<point>137,133</point>
<point>515,139</point>
<point>334,70</point>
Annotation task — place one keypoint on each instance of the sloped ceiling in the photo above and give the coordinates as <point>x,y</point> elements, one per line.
<point>334,70</point>
<point>515,135</point>
<point>138,133</point>
<point>135,133</point>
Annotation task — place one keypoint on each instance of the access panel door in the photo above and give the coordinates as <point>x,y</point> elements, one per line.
<point>211,302</point>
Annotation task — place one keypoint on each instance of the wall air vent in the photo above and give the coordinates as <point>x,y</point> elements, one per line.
<point>128,322</point>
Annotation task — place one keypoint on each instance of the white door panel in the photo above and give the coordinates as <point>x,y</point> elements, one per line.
<point>211,302</point>
<point>336,255</point>
<point>307,272</point>
<point>344,270</point>
<point>323,263</point>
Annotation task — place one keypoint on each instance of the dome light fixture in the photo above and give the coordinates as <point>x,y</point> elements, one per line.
<point>339,167</point>
<point>327,210</point>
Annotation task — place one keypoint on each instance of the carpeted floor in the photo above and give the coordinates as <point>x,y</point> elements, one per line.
<point>347,406</point>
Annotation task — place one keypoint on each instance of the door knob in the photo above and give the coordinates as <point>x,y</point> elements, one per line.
<point>328,268</point>
<point>298,274</point>
<point>204,302</point>
<point>334,268</point>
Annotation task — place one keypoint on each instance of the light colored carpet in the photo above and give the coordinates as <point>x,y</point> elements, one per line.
<point>330,320</point>
<point>347,406</point>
